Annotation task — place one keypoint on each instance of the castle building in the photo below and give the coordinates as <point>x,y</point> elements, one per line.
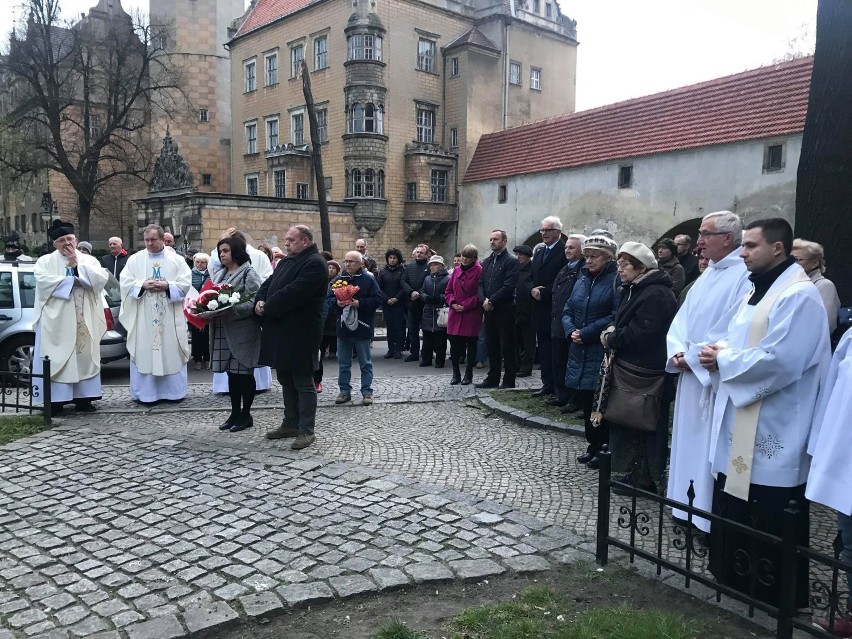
<point>403,89</point>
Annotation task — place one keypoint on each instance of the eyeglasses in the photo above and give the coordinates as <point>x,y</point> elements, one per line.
<point>547,230</point>
<point>351,261</point>
<point>709,233</point>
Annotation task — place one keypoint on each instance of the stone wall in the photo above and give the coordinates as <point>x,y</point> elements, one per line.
<point>264,219</point>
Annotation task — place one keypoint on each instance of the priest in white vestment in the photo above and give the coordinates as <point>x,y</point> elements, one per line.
<point>70,307</point>
<point>153,285</point>
<point>769,369</point>
<point>830,478</point>
<point>260,262</point>
<point>722,284</point>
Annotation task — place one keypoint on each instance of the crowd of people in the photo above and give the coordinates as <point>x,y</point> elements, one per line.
<point>734,331</point>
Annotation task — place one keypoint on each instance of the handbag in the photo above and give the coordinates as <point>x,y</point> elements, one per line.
<point>443,317</point>
<point>635,396</point>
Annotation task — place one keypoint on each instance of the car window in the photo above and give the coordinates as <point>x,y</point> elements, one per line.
<point>112,290</point>
<point>26,288</point>
<point>7,299</point>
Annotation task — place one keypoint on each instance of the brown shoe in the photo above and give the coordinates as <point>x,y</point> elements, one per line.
<point>367,400</point>
<point>283,432</point>
<point>302,441</point>
<point>342,398</point>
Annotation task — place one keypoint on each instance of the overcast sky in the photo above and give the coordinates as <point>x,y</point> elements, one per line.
<point>628,48</point>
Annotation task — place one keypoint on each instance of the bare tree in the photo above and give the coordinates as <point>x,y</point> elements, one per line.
<point>823,187</point>
<point>83,98</point>
<point>316,157</point>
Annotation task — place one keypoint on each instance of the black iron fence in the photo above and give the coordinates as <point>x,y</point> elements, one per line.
<point>644,528</point>
<point>18,393</point>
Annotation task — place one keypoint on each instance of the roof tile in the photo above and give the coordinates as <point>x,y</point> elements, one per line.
<point>266,11</point>
<point>760,103</point>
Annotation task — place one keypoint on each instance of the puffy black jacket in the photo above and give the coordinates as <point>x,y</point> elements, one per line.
<point>390,281</point>
<point>413,275</point>
<point>647,308</point>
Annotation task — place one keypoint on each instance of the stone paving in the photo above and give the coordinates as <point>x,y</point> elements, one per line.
<point>150,523</point>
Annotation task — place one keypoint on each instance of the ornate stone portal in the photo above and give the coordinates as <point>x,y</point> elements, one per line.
<point>171,172</point>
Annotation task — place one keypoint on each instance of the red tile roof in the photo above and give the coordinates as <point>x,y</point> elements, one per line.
<point>266,11</point>
<point>765,102</point>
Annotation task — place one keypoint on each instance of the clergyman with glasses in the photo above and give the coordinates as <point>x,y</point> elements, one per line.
<point>723,284</point>
<point>71,322</point>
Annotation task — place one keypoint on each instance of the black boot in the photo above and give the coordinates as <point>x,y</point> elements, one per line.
<point>468,373</point>
<point>235,393</point>
<point>456,374</point>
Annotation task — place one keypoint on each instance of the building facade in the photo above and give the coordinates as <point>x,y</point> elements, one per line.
<point>648,167</point>
<point>402,89</point>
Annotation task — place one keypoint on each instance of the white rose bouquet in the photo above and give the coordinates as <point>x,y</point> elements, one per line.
<point>216,299</point>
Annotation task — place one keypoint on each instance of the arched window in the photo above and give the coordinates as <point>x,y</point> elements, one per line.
<point>356,119</point>
<point>369,183</point>
<point>357,184</point>
<point>370,118</point>
<point>380,119</point>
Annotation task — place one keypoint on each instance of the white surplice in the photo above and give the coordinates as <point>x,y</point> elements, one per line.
<point>156,327</point>
<point>830,479</point>
<point>721,286</point>
<point>70,326</point>
<point>785,371</point>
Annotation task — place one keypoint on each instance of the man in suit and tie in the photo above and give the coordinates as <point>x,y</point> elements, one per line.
<point>547,262</point>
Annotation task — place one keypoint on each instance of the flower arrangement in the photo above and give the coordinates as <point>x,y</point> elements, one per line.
<point>219,298</point>
<point>343,291</point>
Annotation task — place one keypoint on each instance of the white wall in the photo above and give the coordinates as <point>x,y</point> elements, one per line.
<point>667,190</point>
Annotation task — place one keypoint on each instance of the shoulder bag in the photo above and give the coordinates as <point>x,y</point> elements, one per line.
<point>635,395</point>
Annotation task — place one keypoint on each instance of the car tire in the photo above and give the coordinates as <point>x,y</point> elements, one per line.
<point>16,359</point>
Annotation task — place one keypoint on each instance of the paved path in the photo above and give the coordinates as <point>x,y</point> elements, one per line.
<point>151,523</point>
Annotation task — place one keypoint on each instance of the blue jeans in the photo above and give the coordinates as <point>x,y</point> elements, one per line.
<point>844,525</point>
<point>344,363</point>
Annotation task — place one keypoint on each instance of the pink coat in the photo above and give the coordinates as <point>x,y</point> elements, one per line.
<point>462,289</point>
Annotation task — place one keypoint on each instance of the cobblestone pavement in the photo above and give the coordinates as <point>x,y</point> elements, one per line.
<point>151,523</point>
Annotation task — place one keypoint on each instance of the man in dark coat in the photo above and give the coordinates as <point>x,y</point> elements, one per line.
<point>688,260</point>
<point>497,290</point>
<point>560,292</point>
<point>524,333</point>
<point>115,260</point>
<point>547,262</point>
<point>412,281</point>
<point>290,307</point>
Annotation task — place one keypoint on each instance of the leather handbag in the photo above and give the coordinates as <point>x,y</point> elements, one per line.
<point>443,317</point>
<point>635,396</point>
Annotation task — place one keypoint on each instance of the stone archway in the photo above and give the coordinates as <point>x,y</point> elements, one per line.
<point>689,227</point>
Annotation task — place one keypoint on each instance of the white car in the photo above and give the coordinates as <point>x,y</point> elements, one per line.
<point>17,320</point>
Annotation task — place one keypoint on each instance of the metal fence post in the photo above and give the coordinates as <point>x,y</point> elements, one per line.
<point>787,589</point>
<point>45,391</point>
<point>604,474</point>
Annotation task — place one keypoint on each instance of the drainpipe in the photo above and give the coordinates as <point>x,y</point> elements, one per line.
<point>505,73</point>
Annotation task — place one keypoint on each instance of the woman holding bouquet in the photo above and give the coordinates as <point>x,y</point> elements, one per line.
<point>235,333</point>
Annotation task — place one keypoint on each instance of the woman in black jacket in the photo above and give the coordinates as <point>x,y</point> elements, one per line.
<point>638,337</point>
<point>393,308</point>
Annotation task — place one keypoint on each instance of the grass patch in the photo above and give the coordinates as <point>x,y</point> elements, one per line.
<point>398,630</point>
<point>627,623</point>
<point>533,405</point>
<point>539,613</point>
<point>16,426</point>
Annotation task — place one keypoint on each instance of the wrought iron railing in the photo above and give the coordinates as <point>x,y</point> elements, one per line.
<point>644,529</point>
<point>19,394</point>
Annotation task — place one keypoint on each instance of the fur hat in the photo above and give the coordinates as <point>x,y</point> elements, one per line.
<point>640,252</point>
<point>60,229</point>
<point>601,243</point>
<point>436,259</point>
<point>524,249</point>
<point>335,264</point>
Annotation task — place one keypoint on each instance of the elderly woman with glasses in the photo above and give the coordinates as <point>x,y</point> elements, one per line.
<point>588,311</point>
<point>811,257</point>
